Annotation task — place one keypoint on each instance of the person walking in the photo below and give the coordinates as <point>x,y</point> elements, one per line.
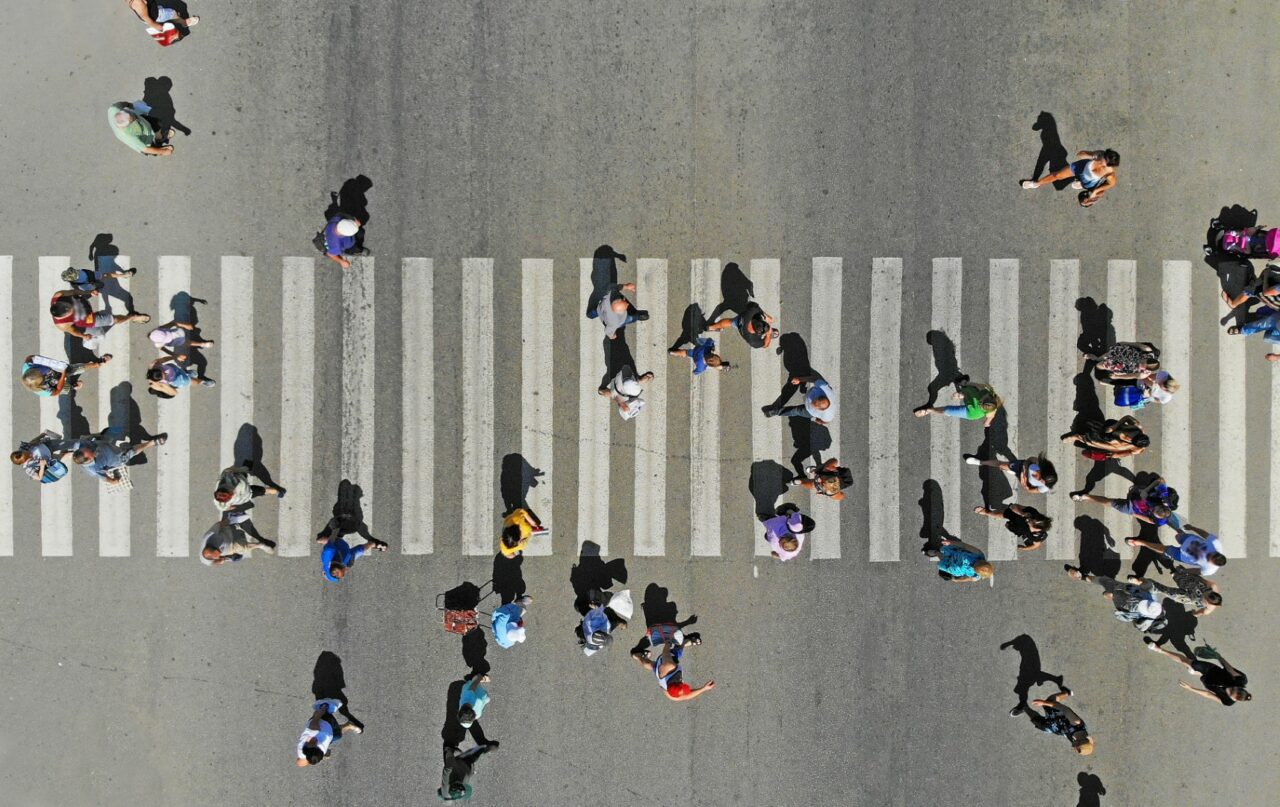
<point>1222,682</point>
<point>169,374</point>
<point>1189,589</point>
<point>828,479</point>
<point>41,457</point>
<point>163,15</point>
<point>474,699</point>
<point>1125,361</point>
<point>1266,322</point>
<point>87,280</point>
<point>1027,523</point>
<point>977,402</point>
<point>338,239</point>
<point>756,327</point>
<point>961,563</point>
<point>458,767</point>
<point>1110,439</point>
<point>175,335</point>
<point>615,311</point>
<point>702,353</point>
<point>1061,720</point>
<point>49,378</point>
<point>668,667</point>
<point>518,528</point>
<point>133,124</point>
<point>507,622</point>
<point>1135,604</point>
<point>233,539</point>
<point>625,391</point>
<point>323,730</point>
<point>819,401</point>
<point>785,530</point>
<point>238,486</point>
<point>338,556</point>
<point>1153,503</point>
<point>1093,173</point>
<point>99,456</point>
<point>72,314</point>
<point>1196,547</point>
<point>1034,474</point>
<point>606,612</point>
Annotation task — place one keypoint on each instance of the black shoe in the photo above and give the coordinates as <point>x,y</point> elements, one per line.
<point>641,316</point>
<point>1017,710</point>
<point>769,411</point>
<point>961,380</point>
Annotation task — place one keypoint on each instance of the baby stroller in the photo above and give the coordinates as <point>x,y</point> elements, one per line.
<point>1251,242</point>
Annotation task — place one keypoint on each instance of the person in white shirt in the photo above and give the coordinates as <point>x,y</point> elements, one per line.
<point>625,391</point>
<point>323,730</point>
<point>1196,547</point>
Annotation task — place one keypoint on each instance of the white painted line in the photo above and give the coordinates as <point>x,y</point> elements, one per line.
<point>537,417</point>
<point>297,407</point>
<point>1232,469</point>
<point>480,506</point>
<point>173,417</point>
<point>6,402</point>
<point>1122,299</point>
<point>358,381</point>
<point>1063,364</point>
<point>649,343</point>
<point>235,352</point>
<point>594,414</point>
<point>884,417</point>
<point>55,500</point>
<point>944,431</point>
<point>418,408</point>
<point>824,356</point>
<point>114,511</point>
<point>704,428</point>
<point>1175,356</point>
<point>1275,460</point>
<point>1002,373</point>
<point>767,434</point>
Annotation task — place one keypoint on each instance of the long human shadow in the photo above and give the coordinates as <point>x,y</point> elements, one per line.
<point>617,355</point>
<point>604,274</point>
<point>1144,559</point>
<point>692,325</point>
<point>1053,155</point>
<point>767,483</point>
<point>157,93</point>
<point>328,681</point>
<point>996,487</point>
<point>126,415</point>
<point>1030,671</point>
<point>474,651</point>
<point>453,732</point>
<point>185,309</point>
<point>933,516</point>
<point>508,577</point>
<point>736,290</point>
<point>515,480</point>
<point>111,288</point>
<point>248,453</point>
<point>946,366</point>
<point>71,416</point>
<point>592,572</point>
<point>1097,548</point>
<point>1097,333</point>
<point>1099,471</point>
<point>1235,272</point>
<point>1180,628</point>
<point>795,360</point>
<point>349,511</point>
<point>809,440</point>
<point>1091,790</point>
<point>103,246</point>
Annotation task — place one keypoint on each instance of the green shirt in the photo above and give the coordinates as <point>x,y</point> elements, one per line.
<point>138,135</point>
<point>973,397</point>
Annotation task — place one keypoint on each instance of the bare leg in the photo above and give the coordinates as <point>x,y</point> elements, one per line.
<point>1065,173</point>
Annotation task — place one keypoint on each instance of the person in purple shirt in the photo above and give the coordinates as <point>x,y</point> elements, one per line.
<point>338,556</point>
<point>340,239</point>
<point>785,531</point>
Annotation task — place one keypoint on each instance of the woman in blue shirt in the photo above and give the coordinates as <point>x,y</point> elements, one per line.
<point>703,355</point>
<point>337,556</point>
<point>961,563</point>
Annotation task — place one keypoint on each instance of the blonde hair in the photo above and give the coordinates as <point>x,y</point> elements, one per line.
<point>1171,384</point>
<point>984,569</point>
<point>1085,748</point>
<point>33,379</point>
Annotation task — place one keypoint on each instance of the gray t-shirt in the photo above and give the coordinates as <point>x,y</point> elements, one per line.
<point>612,320</point>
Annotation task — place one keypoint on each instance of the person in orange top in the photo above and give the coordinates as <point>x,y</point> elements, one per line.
<point>517,528</point>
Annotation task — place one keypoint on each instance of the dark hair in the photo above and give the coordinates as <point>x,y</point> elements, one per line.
<point>806,524</point>
<point>1140,440</point>
<point>511,535</point>
<point>60,307</point>
<point>466,714</point>
<point>1111,157</point>
<point>159,394</point>
<point>1213,598</point>
<point>80,457</point>
<point>1048,473</point>
<point>1218,559</point>
<point>313,754</point>
<point>677,677</point>
<point>155,374</point>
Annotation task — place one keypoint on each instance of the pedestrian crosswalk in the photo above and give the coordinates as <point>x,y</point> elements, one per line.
<point>442,399</point>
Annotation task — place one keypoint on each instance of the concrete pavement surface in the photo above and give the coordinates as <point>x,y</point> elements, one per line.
<point>742,132</point>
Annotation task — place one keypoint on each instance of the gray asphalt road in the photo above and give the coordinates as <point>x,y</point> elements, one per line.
<point>742,130</point>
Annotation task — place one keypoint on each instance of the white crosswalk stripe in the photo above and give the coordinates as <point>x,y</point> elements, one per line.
<point>104,403</point>
<point>173,417</point>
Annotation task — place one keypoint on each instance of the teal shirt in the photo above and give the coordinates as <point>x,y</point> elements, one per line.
<point>138,135</point>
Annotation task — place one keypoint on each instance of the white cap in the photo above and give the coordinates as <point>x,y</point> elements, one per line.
<point>516,634</point>
<point>347,228</point>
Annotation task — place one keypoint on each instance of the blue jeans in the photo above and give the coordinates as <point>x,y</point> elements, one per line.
<point>797,411</point>
<point>1268,326</point>
<point>594,314</point>
<point>956,411</point>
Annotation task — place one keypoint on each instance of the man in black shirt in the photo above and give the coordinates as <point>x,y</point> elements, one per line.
<point>1224,684</point>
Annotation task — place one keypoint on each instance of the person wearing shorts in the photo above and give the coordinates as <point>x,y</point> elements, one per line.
<point>1223,683</point>
<point>52,377</point>
<point>163,14</point>
<point>1196,547</point>
<point>1061,720</point>
<point>959,562</point>
<point>978,402</point>
<point>323,730</point>
<point>1190,589</point>
<point>1034,474</point>
<point>1093,173</point>
<point>668,666</point>
<point>1029,525</point>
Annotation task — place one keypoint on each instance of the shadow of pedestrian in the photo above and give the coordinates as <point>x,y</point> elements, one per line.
<point>474,649</point>
<point>1097,548</point>
<point>453,732</point>
<point>996,487</point>
<point>349,512</point>
<point>183,306</point>
<point>592,572</point>
<point>946,367</point>
<point>768,482</point>
<point>102,248</point>
<point>71,416</point>
<point>1143,558</point>
<point>617,355</point>
<point>352,200</point>
<point>1099,471</point>
<point>1053,155</point>
<point>933,513</point>
<point>517,478</point>
<point>248,453</point>
<point>1030,672</point>
<point>328,680</point>
<point>604,274</point>
<point>692,325</point>
<point>1091,790</point>
<point>125,411</point>
<point>157,94</point>
<point>111,288</point>
<point>736,290</point>
<point>1179,630</point>
<point>508,579</point>
<point>809,440</point>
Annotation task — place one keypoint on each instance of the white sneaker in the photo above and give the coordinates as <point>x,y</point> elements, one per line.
<point>973,460</point>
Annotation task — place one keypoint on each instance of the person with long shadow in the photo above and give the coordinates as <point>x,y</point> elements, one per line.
<point>337,556</point>
<point>459,764</point>
<point>666,634</point>
<point>1030,671</point>
<point>323,729</point>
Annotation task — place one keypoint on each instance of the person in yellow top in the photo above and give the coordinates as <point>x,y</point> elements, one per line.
<point>517,528</point>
